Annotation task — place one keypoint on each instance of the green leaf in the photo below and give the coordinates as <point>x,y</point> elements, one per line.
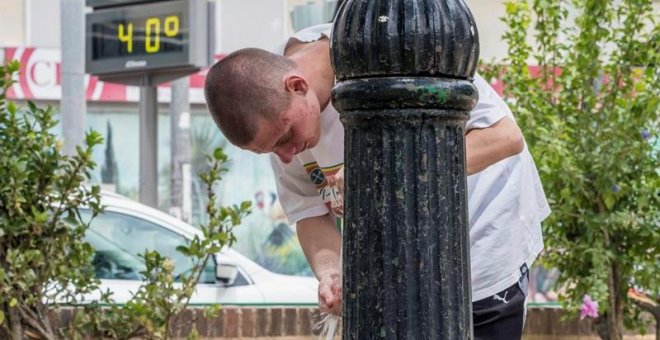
<point>219,155</point>
<point>184,250</point>
<point>214,249</point>
<point>39,217</point>
<point>13,302</point>
<point>245,205</point>
<point>13,66</point>
<point>93,138</point>
<point>11,107</point>
<point>609,199</point>
<point>2,318</point>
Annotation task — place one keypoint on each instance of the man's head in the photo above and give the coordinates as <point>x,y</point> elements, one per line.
<point>261,102</point>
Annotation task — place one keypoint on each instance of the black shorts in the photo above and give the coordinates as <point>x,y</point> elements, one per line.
<point>502,315</point>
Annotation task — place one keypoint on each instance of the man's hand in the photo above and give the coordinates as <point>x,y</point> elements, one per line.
<point>330,294</point>
<point>321,243</point>
<point>337,180</point>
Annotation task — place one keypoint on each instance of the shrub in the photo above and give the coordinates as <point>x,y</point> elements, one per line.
<point>590,115</point>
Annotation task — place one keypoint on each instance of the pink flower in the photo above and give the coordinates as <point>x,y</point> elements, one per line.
<point>589,308</point>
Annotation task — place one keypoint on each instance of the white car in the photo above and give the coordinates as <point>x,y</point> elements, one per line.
<point>128,228</point>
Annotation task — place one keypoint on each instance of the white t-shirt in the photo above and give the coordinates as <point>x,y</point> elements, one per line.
<point>506,202</point>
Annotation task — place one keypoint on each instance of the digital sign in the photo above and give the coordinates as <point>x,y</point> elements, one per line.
<point>139,36</point>
<point>148,37</point>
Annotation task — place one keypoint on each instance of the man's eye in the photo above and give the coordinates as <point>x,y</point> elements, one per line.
<point>284,139</point>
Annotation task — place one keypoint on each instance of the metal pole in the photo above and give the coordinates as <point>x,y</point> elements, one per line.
<point>404,92</point>
<point>149,144</point>
<point>73,103</point>
<point>180,150</point>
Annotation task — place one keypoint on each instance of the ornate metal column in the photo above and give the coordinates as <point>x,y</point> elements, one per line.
<point>404,71</point>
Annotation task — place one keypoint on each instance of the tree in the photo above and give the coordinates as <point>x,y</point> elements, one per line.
<point>109,170</point>
<point>590,115</point>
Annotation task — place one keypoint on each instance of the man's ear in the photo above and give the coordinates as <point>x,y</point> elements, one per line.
<point>295,84</point>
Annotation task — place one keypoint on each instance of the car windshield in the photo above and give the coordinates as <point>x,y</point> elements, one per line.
<point>119,239</point>
<point>111,261</point>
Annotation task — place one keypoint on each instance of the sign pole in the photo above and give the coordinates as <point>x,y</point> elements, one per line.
<point>180,148</point>
<point>149,144</point>
<point>73,106</point>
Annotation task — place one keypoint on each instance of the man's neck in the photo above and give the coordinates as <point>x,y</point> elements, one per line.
<point>313,59</point>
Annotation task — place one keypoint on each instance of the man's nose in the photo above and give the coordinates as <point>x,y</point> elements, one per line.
<point>285,153</point>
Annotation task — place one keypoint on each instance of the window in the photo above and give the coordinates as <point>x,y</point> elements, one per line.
<point>119,238</point>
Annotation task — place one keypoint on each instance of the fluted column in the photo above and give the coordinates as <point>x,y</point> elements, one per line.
<point>404,91</point>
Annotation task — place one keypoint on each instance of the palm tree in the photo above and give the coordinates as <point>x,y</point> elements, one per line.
<point>203,141</point>
<point>109,170</point>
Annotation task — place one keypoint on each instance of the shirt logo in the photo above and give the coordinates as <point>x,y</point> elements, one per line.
<point>329,194</point>
<point>317,177</point>
<point>503,299</point>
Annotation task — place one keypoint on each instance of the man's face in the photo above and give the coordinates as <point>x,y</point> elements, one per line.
<point>295,130</point>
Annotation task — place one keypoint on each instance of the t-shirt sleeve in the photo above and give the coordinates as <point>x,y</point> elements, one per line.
<point>299,198</point>
<point>308,34</point>
<point>490,108</point>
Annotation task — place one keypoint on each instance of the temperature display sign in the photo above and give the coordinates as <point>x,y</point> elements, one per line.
<point>147,37</point>
<point>139,36</point>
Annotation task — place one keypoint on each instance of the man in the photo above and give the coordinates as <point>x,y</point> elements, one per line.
<point>269,103</point>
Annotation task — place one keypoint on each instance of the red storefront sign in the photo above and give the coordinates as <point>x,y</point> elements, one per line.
<point>40,78</point>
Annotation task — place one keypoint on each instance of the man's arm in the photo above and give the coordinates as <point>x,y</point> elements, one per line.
<point>321,243</point>
<point>485,147</point>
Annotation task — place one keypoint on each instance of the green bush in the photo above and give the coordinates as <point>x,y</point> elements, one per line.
<point>150,313</point>
<point>45,261</point>
<point>590,116</point>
